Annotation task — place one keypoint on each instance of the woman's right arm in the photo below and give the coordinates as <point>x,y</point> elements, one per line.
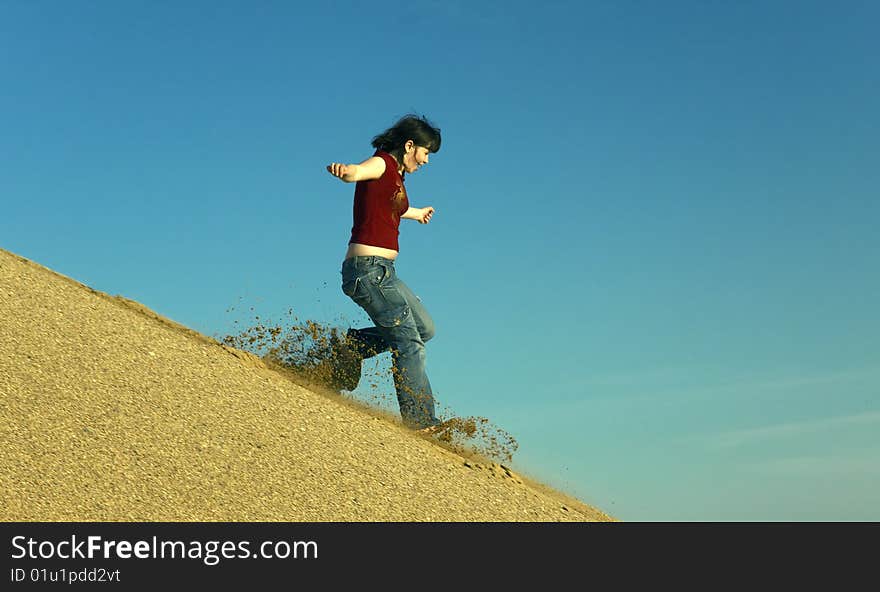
<point>372,168</point>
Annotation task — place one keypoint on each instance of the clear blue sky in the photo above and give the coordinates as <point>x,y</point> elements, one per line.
<point>654,258</point>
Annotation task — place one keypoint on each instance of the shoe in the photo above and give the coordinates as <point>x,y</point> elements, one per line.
<point>345,365</point>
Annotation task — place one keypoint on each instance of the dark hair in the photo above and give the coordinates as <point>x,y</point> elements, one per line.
<point>409,127</point>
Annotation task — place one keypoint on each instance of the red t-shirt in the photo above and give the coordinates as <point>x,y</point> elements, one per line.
<point>378,206</point>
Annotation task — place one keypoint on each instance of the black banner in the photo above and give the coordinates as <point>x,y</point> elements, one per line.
<point>125,556</point>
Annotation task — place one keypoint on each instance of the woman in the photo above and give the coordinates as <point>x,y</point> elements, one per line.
<point>402,325</point>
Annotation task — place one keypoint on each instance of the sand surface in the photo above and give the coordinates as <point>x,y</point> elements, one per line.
<point>109,412</point>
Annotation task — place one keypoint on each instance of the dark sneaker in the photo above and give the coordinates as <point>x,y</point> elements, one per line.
<point>345,365</point>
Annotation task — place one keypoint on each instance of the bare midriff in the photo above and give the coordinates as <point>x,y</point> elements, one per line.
<point>359,250</point>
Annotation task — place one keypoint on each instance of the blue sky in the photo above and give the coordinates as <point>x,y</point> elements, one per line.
<point>654,255</point>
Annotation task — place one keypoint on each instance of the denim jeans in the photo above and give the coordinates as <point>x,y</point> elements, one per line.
<point>402,326</point>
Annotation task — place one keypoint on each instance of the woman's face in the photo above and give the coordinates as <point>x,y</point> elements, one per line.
<point>414,157</point>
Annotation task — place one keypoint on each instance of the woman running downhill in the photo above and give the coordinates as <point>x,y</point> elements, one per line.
<point>402,324</point>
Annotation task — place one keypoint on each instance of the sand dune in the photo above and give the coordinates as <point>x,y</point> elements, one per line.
<point>109,412</point>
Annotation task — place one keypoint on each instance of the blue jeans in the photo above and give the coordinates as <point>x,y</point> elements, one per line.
<point>402,326</point>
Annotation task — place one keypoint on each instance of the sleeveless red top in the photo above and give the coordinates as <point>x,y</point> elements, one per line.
<point>378,206</point>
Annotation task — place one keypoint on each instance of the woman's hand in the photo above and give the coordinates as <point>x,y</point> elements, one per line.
<point>337,169</point>
<point>423,215</point>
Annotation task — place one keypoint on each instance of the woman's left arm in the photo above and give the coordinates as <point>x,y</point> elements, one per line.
<point>423,215</point>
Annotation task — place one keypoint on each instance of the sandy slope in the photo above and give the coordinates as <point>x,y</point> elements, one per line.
<point>109,412</point>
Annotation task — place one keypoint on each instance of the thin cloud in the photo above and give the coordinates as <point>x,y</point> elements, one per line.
<point>661,389</point>
<point>797,428</point>
<point>821,465</point>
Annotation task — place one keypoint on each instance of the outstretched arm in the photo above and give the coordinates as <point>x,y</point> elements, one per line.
<point>372,168</point>
<point>423,215</point>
